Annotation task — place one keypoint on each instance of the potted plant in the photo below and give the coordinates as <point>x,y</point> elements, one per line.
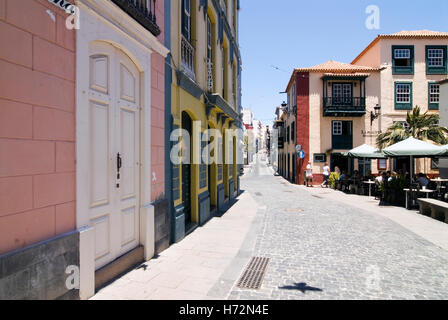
<point>332,179</point>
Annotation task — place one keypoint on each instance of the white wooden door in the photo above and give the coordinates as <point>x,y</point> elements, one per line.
<point>114,135</point>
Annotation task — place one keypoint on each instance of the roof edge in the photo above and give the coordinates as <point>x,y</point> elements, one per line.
<point>399,36</point>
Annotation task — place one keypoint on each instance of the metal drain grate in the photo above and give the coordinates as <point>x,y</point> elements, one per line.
<point>253,275</point>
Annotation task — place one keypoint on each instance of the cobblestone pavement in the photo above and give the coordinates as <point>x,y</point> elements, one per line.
<point>325,249</point>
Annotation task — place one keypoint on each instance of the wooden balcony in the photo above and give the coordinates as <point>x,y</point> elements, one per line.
<point>344,106</point>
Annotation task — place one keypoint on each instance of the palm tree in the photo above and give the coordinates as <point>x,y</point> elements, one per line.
<point>419,126</point>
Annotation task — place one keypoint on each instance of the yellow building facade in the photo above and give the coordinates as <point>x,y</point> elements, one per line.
<point>205,94</point>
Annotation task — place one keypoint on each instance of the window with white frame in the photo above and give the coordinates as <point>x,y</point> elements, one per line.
<point>402,54</point>
<point>436,57</point>
<point>403,59</point>
<point>434,93</point>
<point>337,128</point>
<point>403,93</point>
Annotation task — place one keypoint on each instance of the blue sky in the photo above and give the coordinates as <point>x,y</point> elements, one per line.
<point>287,34</point>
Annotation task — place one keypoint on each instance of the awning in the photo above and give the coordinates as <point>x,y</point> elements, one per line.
<point>365,151</point>
<point>414,148</point>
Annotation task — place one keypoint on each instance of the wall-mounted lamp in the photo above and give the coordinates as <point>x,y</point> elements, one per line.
<point>376,114</point>
<point>284,105</point>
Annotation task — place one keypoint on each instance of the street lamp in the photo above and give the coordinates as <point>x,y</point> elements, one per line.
<point>284,105</point>
<point>376,114</point>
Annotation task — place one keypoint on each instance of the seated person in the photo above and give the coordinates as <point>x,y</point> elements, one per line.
<point>369,176</point>
<point>422,180</point>
<point>389,176</point>
<point>343,176</point>
<point>356,180</point>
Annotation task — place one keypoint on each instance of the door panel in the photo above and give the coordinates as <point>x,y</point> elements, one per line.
<point>129,231</point>
<point>102,236</point>
<point>129,142</point>
<point>127,84</point>
<point>99,154</point>
<point>99,73</point>
<point>128,153</point>
<point>114,129</point>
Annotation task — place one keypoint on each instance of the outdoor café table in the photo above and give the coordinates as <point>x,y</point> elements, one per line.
<point>439,182</point>
<point>370,186</point>
<point>427,191</point>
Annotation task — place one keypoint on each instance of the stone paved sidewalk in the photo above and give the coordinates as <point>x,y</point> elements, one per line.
<point>327,245</point>
<point>193,268</point>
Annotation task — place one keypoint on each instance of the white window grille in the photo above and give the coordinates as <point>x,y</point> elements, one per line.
<point>435,58</point>
<point>403,93</point>
<point>434,93</point>
<point>402,53</point>
<point>337,128</point>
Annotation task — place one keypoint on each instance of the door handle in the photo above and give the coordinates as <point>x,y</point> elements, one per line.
<point>119,165</point>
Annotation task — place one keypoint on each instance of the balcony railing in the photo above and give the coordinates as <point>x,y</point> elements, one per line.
<point>187,58</point>
<point>143,11</point>
<point>350,106</point>
<point>209,76</point>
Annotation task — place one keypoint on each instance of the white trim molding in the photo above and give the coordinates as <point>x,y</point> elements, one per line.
<point>122,22</point>
<point>103,21</point>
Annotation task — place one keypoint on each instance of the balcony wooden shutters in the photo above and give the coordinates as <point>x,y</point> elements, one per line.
<point>342,93</point>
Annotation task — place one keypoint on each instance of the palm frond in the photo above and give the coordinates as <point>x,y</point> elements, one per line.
<point>422,126</point>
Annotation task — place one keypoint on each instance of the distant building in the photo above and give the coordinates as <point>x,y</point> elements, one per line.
<point>249,137</point>
<point>278,153</point>
<point>443,110</point>
<point>334,107</point>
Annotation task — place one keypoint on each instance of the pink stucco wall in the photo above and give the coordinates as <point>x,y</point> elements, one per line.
<point>37,124</point>
<point>158,113</point>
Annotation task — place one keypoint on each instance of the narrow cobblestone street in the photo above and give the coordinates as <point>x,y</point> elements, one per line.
<point>320,247</point>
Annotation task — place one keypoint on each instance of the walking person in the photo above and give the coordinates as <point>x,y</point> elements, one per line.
<point>326,175</point>
<point>309,175</point>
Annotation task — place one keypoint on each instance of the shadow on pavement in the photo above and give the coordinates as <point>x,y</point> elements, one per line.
<point>301,286</point>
